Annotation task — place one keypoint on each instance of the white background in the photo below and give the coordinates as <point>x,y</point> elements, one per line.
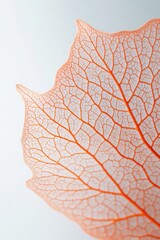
<point>35,38</point>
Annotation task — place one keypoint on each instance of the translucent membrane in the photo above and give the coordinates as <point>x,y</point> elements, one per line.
<point>93,141</point>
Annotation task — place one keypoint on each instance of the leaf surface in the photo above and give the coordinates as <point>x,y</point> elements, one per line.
<point>93,141</point>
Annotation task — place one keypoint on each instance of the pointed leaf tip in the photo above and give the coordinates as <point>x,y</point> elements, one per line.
<point>21,89</point>
<point>81,24</point>
<point>24,92</point>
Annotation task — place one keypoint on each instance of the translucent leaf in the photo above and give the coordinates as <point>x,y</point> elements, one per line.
<point>93,141</point>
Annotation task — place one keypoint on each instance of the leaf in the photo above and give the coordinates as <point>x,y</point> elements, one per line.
<point>93,141</point>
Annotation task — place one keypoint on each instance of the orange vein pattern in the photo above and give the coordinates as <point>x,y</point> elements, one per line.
<point>93,141</point>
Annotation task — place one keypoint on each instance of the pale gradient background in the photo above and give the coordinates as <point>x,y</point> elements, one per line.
<point>35,38</point>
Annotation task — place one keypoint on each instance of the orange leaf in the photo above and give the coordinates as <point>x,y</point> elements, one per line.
<point>93,141</point>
